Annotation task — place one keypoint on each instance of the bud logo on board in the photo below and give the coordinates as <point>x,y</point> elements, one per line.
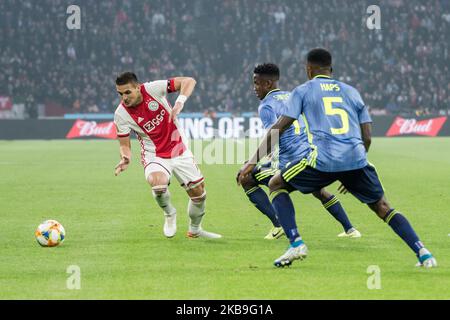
<point>92,129</point>
<point>428,127</point>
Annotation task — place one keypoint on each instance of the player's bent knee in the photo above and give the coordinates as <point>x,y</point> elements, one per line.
<point>381,208</point>
<point>158,179</point>
<point>197,191</point>
<point>384,210</point>
<point>276,183</point>
<point>159,189</point>
<point>248,182</point>
<point>322,194</point>
<point>199,199</point>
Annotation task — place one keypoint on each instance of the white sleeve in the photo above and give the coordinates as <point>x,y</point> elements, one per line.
<point>157,89</point>
<point>123,129</point>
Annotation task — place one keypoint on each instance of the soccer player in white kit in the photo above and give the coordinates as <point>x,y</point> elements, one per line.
<point>144,109</point>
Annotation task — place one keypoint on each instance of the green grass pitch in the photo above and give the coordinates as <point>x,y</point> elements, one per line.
<point>114,230</point>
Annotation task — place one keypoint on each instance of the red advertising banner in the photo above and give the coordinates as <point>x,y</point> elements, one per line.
<point>82,129</point>
<point>427,127</point>
<point>5,103</point>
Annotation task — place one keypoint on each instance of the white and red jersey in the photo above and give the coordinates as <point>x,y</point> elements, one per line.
<point>150,121</point>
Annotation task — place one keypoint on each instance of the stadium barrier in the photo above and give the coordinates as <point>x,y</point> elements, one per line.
<point>205,128</point>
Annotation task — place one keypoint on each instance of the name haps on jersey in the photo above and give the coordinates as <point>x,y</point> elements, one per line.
<point>329,87</point>
<point>152,124</point>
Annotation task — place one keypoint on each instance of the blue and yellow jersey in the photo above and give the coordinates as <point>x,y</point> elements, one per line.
<point>293,143</point>
<point>333,112</point>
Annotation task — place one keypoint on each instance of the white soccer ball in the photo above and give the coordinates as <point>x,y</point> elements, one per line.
<point>50,233</point>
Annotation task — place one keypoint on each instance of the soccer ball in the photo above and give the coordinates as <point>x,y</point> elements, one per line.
<point>50,233</point>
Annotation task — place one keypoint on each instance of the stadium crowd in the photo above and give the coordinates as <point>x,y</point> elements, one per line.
<point>401,68</point>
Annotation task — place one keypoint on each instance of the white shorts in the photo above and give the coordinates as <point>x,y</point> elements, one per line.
<point>183,168</point>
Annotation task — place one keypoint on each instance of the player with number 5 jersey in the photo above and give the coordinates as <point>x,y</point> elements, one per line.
<point>293,145</point>
<point>339,128</point>
<point>334,112</point>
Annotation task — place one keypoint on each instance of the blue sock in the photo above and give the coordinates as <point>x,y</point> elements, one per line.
<point>261,201</point>
<point>401,226</point>
<point>282,203</point>
<point>334,207</point>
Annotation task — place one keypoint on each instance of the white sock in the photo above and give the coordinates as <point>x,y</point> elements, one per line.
<point>196,212</point>
<point>163,200</point>
<point>298,239</point>
<point>423,251</point>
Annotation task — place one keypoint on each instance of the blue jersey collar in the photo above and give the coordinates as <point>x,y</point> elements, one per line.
<point>322,76</point>
<point>271,91</point>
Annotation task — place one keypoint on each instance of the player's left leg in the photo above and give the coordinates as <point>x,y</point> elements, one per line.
<point>365,185</point>
<point>404,230</point>
<point>188,174</point>
<point>281,201</point>
<point>196,211</point>
<point>296,176</point>
<point>261,175</point>
<point>157,174</point>
<point>332,204</point>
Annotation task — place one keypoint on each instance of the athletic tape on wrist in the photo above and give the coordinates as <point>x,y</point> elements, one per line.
<point>181,98</point>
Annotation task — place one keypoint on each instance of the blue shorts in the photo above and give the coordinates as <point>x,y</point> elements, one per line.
<point>263,173</point>
<point>363,183</point>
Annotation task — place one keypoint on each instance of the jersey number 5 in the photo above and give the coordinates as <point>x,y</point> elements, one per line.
<point>330,111</point>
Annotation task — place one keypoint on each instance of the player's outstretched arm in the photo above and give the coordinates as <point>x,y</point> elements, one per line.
<point>125,154</point>
<point>366,133</point>
<point>186,86</point>
<point>269,141</point>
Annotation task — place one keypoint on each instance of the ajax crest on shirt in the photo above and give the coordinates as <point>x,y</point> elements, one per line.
<point>153,105</point>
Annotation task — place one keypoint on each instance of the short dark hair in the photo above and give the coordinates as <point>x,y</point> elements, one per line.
<point>268,69</point>
<point>319,57</point>
<point>126,77</point>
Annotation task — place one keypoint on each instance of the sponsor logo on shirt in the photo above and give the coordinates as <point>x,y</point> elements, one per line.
<point>156,121</point>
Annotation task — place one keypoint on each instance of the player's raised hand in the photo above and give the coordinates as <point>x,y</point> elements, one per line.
<point>179,104</point>
<point>342,189</point>
<point>175,111</point>
<point>122,166</point>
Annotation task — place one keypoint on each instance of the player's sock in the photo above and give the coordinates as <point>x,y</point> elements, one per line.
<point>162,197</point>
<point>334,207</point>
<point>403,228</point>
<point>196,211</point>
<point>284,208</point>
<point>261,201</point>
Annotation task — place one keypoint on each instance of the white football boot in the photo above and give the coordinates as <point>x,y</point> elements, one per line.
<point>426,259</point>
<point>297,250</point>
<point>351,233</point>
<point>170,225</point>
<point>203,234</point>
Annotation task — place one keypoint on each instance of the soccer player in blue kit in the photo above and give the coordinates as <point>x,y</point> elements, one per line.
<point>293,145</point>
<point>340,127</point>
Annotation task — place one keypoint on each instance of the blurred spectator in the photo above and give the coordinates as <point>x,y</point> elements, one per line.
<point>31,107</point>
<point>402,68</point>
